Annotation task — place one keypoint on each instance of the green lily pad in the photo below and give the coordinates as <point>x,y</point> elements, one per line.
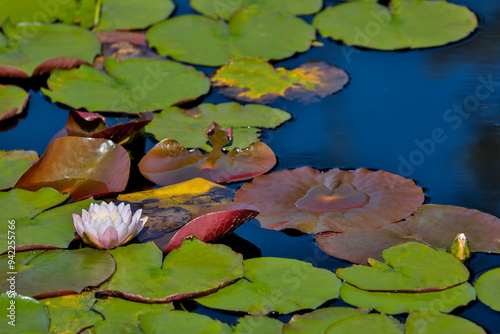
<point>22,314</point>
<point>31,44</point>
<point>420,322</point>
<point>106,327</point>
<point>181,322</point>
<point>252,79</point>
<point>487,288</point>
<point>317,322</point>
<point>53,272</point>
<point>13,164</point>
<point>225,9</point>
<point>13,100</point>
<point>403,24</point>
<point>258,324</point>
<point>408,267</point>
<point>189,127</point>
<point>130,86</point>
<point>194,269</point>
<point>368,323</point>
<point>275,284</point>
<point>200,40</point>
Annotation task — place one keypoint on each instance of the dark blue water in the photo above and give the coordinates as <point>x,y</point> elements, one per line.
<point>432,115</point>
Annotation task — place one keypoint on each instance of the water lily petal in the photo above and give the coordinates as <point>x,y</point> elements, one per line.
<point>122,233</point>
<point>102,225</point>
<point>109,238</point>
<point>85,215</point>
<point>78,223</point>
<point>126,214</point>
<point>136,216</point>
<point>103,211</point>
<point>120,207</point>
<point>118,222</point>
<point>89,229</point>
<point>88,239</point>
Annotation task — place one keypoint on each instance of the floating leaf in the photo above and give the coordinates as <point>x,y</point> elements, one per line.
<point>225,9</point>
<point>83,167</point>
<point>106,327</point>
<point>194,269</point>
<point>275,284</point>
<point>13,164</point>
<point>13,101</point>
<point>258,324</point>
<point>487,288</point>
<point>336,200</point>
<point>367,323</point>
<point>188,127</point>
<point>398,26</point>
<point>49,273</point>
<point>419,322</point>
<point>255,80</point>
<point>202,41</point>
<point>181,322</point>
<point>31,44</point>
<point>168,162</point>
<point>23,314</point>
<point>434,225</point>
<point>317,322</point>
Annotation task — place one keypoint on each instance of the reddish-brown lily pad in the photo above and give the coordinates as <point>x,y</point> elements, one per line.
<point>434,225</point>
<point>169,162</point>
<point>336,200</point>
<point>83,167</point>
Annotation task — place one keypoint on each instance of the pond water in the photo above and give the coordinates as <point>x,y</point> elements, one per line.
<point>431,115</point>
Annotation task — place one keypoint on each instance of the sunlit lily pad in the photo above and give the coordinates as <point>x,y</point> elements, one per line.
<point>317,322</point>
<point>13,164</point>
<point>200,40</point>
<point>275,284</point>
<point>194,269</point>
<point>107,327</point>
<point>130,86</point>
<point>188,127</point>
<point>83,167</point>
<point>181,322</point>
<point>367,323</point>
<point>435,225</point>
<point>487,288</point>
<point>31,44</point>
<point>13,101</point>
<point>255,80</point>
<point>403,24</point>
<point>335,200</point>
<point>420,322</point>
<point>258,324</point>
<point>57,272</point>
<point>28,314</point>
<point>225,9</point>
<point>168,162</point>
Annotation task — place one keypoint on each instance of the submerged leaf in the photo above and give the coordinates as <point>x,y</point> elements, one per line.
<point>487,288</point>
<point>13,164</point>
<point>13,101</point>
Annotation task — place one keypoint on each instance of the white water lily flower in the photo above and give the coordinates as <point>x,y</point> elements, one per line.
<point>107,226</point>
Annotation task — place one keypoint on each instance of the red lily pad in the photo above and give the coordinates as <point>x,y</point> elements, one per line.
<point>335,200</point>
<point>83,167</point>
<point>169,162</point>
<point>431,224</point>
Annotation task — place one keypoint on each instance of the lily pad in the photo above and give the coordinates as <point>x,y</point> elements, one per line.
<point>28,314</point>
<point>31,44</point>
<point>367,323</point>
<point>130,86</point>
<point>225,9</point>
<point>13,101</point>
<point>335,200</point>
<point>13,164</point>
<point>83,167</point>
<point>317,322</point>
<point>106,327</point>
<point>276,284</point>
<point>431,224</point>
<point>252,79</point>
<point>188,127</point>
<point>43,274</point>
<point>168,162</point>
<point>250,32</point>
<point>194,269</point>
<point>419,322</point>
<point>181,322</point>
<point>487,288</point>
<point>398,26</point>
<point>258,324</point>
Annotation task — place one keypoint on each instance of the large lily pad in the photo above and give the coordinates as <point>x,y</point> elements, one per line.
<point>181,322</point>
<point>192,270</point>
<point>487,288</point>
<point>258,324</point>
<point>13,101</point>
<point>31,44</point>
<point>317,322</point>
<point>83,167</point>
<point>130,86</point>
<point>225,9</point>
<point>13,164</point>
<point>435,225</point>
<point>188,126</point>
<point>420,322</point>
<point>28,314</point>
<point>336,200</point>
<point>403,24</point>
<point>203,41</point>
<point>275,284</point>
<point>255,80</point>
<point>168,162</point>
<point>367,323</point>
<point>56,272</point>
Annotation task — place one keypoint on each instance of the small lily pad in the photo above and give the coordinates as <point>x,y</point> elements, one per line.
<point>13,101</point>
<point>13,164</point>
<point>367,323</point>
<point>188,127</point>
<point>181,322</point>
<point>487,288</point>
<point>258,324</point>
<point>255,80</point>
<point>276,284</point>
<point>317,322</point>
<point>420,322</point>
<point>23,314</point>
